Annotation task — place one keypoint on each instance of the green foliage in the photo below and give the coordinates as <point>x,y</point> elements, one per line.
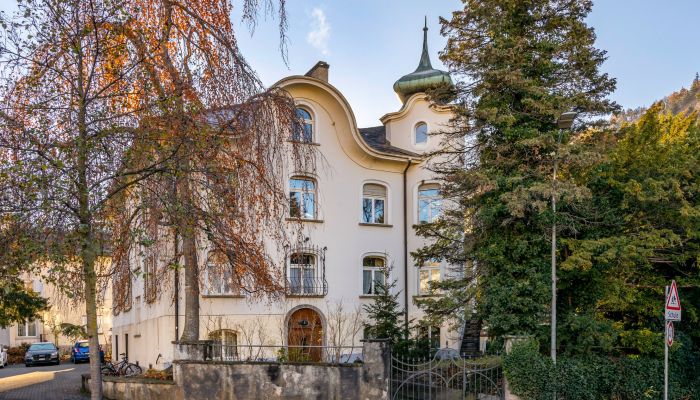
<point>386,320</point>
<point>642,229</point>
<point>526,64</point>
<point>17,302</point>
<point>532,376</point>
<point>73,332</point>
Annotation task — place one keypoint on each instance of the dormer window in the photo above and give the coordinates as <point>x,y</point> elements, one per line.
<point>305,131</point>
<point>421,133</point>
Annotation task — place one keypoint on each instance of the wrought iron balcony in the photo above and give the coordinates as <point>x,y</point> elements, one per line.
<point>305,274</point>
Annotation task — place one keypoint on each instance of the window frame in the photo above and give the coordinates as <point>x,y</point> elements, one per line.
<point>224,288</point>
<point>434,202</point>
<point>303,191</point>
<point>374,199</point>
<point>374,270</point>
<point>430,268</point>
<point>26,331</point>
<point>414,137</point>
<point>307,122</point>
<point>221,346</point>
<point>302,289</point>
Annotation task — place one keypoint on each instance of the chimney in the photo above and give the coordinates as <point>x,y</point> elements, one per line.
<point>319,71</point>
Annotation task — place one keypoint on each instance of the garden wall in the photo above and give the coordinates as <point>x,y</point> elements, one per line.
<point>196,379</point>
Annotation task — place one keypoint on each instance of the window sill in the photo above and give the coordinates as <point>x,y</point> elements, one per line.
<point>377,225</point>
<point>368,296</point>
<point>315,221</point>
<point>319,296</point>
<point>27,337</point>
<point>425,296</point>
<point>223,296</point>
<point>303,142</point>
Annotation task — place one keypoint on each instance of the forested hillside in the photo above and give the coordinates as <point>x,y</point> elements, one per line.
<point>682,101</point>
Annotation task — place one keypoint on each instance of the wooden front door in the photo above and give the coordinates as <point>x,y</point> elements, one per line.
<point>305,331</point>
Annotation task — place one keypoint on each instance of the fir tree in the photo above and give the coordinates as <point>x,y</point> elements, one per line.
<point>386,317</point>
<point>523,64</point>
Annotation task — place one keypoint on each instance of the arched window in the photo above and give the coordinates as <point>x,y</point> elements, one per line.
<point>225,344</point>
<point>429,202</point>
<point>373,272</point>
<point>421,133</point>
<point>373,204</point>
<point>302,198</point>
<point>305,131</point>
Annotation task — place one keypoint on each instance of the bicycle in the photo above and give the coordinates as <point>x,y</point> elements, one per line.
<point>122,368</point>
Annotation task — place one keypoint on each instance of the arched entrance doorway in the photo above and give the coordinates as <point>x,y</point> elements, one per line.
<point>304,333</point>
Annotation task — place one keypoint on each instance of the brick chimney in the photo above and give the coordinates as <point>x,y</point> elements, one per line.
<point>319,71</point>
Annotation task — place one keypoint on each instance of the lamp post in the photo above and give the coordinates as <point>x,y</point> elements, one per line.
<point>565,121</point>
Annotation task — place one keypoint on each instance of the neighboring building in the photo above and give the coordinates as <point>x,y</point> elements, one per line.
<point>61,310</point>
<point>357,211</point>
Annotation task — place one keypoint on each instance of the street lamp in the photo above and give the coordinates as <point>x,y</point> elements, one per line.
<point>565,121</point>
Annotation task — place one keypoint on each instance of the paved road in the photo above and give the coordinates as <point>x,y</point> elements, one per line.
<point>60,382</point>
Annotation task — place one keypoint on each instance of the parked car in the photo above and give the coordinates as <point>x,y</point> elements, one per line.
<point>80,352</point>
<point>3,356</point>
<point>41,353</point>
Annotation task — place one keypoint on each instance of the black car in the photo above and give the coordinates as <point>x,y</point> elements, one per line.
<point>41,353</point>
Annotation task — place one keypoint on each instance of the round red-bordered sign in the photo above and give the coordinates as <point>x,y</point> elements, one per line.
<point>669,333</point>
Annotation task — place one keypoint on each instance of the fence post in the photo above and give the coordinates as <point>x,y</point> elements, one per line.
<point>376,368</point>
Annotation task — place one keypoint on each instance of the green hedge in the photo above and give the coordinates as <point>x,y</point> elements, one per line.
<point>532,376</point>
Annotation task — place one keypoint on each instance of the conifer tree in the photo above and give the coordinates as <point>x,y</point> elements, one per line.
<point>385,313</point>
<point>521,65</point>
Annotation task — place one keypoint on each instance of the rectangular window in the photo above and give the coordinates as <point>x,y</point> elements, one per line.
<point>429,203</point>
<point>373,202</point>
<point>302,198</point>
<point>427,274</point>
<point>219,280</point>
<point>28,328</point>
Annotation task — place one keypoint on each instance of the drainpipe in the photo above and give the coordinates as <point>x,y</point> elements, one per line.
<point>405,248</point>
<point>177,293</point>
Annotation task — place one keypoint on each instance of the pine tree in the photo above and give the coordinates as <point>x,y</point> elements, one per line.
<point>524,63</point>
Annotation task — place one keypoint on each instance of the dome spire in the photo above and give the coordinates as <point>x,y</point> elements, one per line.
<point>425,77</point>
<point>424,63</point>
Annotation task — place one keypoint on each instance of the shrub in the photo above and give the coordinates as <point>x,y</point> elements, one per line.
<point>531,375</point>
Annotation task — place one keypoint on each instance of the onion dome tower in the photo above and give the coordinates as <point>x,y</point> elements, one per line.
<point>424,77</point>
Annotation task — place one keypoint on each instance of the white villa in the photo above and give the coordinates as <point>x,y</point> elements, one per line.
<point>357,209</point>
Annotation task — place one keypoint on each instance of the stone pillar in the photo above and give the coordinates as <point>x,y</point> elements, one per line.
<point>193,350</point>
<point>376,369</point>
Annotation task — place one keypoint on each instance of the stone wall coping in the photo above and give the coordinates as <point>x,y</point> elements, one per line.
<point>313,364</point>
<point>192,342</point>
<point>137,379</point>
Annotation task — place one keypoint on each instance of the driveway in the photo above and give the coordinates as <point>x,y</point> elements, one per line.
<point>61,382</point>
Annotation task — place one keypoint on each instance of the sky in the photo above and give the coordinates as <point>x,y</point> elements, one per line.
<point>653,47</point>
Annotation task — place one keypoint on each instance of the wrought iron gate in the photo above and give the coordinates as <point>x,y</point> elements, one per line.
<point>447,376</point>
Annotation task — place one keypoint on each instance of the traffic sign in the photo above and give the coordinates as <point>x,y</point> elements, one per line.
<point>669,333</point>
<point>673,304</point>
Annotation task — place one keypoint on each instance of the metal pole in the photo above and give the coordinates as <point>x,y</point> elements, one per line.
<point>553,343</point>
<point>665,350</point>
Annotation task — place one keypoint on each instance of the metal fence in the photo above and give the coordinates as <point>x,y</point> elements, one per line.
<point>276,353</point>
<point>447,376</point>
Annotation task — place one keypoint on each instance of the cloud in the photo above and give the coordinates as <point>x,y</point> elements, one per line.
<point>320,33</point>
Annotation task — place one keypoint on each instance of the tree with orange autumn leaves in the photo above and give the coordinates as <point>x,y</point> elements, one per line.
<point>131,123</point>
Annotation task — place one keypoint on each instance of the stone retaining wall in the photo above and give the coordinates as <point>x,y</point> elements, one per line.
<point>195,380</point>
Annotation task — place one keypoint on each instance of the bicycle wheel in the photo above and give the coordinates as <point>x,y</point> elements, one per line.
<point>107,370</point>
<point>132,369</point>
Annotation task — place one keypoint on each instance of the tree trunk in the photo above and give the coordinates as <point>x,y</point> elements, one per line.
<point>187,227</point>
<point>88,257</point>
<point>190,331</point>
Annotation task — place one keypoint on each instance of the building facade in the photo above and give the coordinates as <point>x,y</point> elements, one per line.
<point>357,211</point>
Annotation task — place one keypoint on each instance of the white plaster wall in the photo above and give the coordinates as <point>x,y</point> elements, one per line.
<point>342,168</point>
